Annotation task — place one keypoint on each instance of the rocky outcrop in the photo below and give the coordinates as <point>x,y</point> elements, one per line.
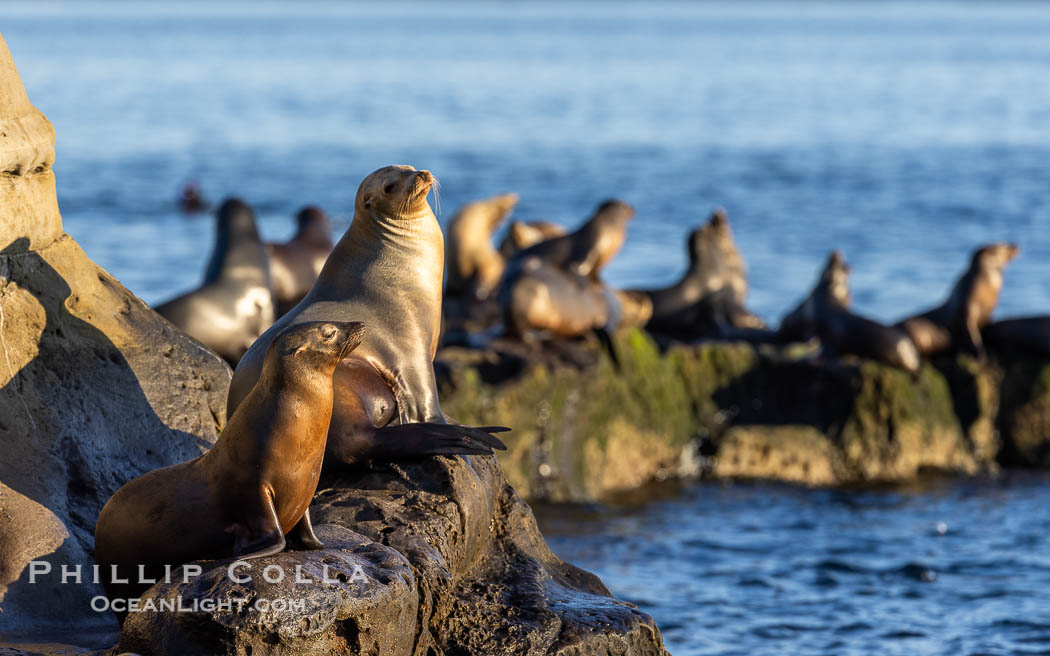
<point>94,387</point>
<point>435,557</point>
<point>1024,415</point>
<point>722,410</point>
<point>452,563</point>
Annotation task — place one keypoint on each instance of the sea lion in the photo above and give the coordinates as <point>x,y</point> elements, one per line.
<point>522,234</point>
<point>1030,335</point>
<point>254,486</point>
<point>544,298</point>
<point>473,265</point>
<point>956,324</point>
<point>589,248</point>
<point>636,308</point>
<point>234,305</point>
<point>386,271</point>
<point>708,301</point>
<point>295,264</point>
<point>825,314</point>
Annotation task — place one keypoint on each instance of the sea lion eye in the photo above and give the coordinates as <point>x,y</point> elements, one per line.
<point>389,188</point>
<point>328,332</point>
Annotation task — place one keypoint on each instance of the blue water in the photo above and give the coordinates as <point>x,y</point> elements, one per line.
<point>949,567</point>
<point>905,134</point>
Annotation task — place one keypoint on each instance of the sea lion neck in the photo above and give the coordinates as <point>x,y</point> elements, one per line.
<point>409,240</point>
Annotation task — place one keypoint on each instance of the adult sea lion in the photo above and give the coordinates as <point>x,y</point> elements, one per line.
<point>254,486</point>
<point>956,324</point>
<point>708,301</point>
<point>234,305</point>
<point>589,248</point>
<point>473,265</point>
<point>825,314</point>
<point>522,234</point>
<point>1029,335</point>
<point>295,264</point>
<point>386,271</point>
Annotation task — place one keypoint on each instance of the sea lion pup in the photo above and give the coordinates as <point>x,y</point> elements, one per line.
<point>708,301</point>
<point>386,271</point>
<point>956,324</point>
<point>295,264</point>
<point>254,486</point>
<point>522,234</point>
<point>473,265</point>
<point>234,305</point>
<point>1030,335</point>
<point>825,314</point>
<point>588,249</point>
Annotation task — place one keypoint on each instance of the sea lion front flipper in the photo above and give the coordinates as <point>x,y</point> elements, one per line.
<point>433,439</point>
<point>302,535</point>
<point>259,536</point>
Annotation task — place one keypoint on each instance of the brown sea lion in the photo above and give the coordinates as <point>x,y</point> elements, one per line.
<point>386,271</point>
<point>254,486</point>
<point>588,249</point>
<point>545,299</point>
<point>522,234</point>
<point>708,301</point>
<point>472,264</point>
<point>956,324</point>
<point>825,314</point>
<point>1030,335</point>
<point>295,264</point>
<point>234,305</point>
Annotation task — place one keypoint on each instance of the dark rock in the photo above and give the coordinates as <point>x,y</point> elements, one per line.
<point>352,597</point>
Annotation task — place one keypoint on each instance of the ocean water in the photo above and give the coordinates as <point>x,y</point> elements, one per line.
<point>905,134</point>
<point>945,567</point>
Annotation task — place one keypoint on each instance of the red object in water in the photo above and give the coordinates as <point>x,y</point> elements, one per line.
<point>191,200</point>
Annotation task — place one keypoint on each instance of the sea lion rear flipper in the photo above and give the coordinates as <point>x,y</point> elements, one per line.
<point>434,439</point>
<point>302,535</point>
<point>259,536</point>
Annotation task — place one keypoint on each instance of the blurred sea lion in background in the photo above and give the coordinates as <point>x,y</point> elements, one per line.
<point>589,248</point>
<point>472,265</point>
<point>386,272</point>
<point>252,488</point>
<point>956,324</point>
<point>234,305</point>
<point>522,234</point>
<point>295,264</point>
<point>543,302</point>
<point>708,301</point>
<point>1029,335</point>
<point>825,314</point>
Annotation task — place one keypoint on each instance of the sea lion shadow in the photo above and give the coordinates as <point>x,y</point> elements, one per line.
<point>78,413</point>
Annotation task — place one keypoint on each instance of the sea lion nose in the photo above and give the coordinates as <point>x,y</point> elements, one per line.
<point>425,175</point>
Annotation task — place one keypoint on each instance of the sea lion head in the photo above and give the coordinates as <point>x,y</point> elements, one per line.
<point>499,208</point>
<point>995,256</point>
<point>614,213</point>
<point>316,345</point>
<point>236,220</point>
<point>711,238</point>
<point>835,278</point>
<point>310,217</point>
<point>397,192</point>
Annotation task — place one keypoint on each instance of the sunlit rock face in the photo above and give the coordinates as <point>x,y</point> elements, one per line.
<point>95,389</point>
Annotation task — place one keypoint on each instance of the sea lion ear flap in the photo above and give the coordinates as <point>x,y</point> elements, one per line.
<point>368,201</point>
